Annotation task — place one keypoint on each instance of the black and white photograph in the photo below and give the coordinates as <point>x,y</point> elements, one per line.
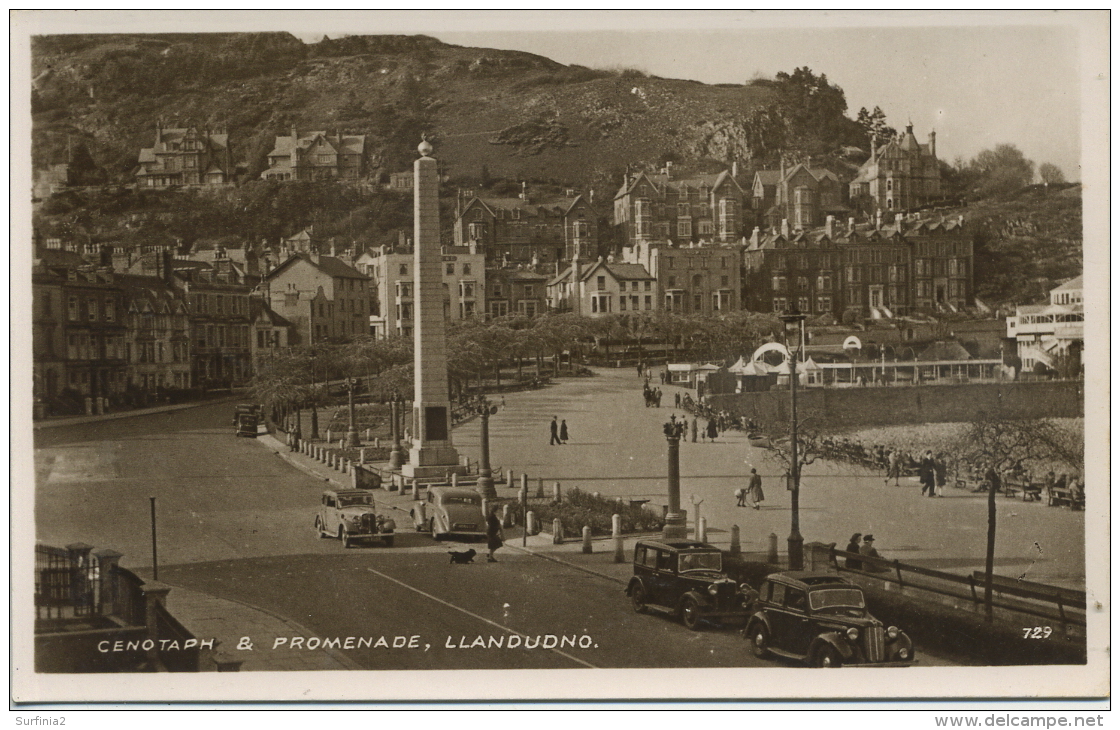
<point>530,343</point>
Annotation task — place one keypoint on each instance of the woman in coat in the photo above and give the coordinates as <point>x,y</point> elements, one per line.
<point>853,547</point>
<point>712,430</point>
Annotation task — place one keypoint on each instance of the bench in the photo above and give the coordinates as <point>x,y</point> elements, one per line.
<point>1030,492</point>
<point>1058,497</point>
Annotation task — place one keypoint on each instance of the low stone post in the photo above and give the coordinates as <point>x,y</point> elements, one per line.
<point>507,520</point>
<point>377,443</point>
<point>540,487</point>
<point>702,529</point>
<point>330,437</point>
<point>509,477</point>
<point>362,455</point>
<point>556,495</point>
<point>557,532</point>
<point>772,553</point>
<point>108,593</point>
<point>415,490</point>
<point>455,482</point>
<point>736,548</point>
<point>525,482</point>
<point>89,406</point>
<point>530,523</point>
<point>616,536</point>
<point>586,539</point>
<point>100,406</point>
<point>369,434</point>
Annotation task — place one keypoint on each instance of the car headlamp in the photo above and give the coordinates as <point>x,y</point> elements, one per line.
<point>904,653</point>
<point>852,633</point>
<point>713,589</point>
<point>892,633</point>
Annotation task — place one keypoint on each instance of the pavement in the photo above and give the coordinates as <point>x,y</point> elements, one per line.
<point>61,421</point>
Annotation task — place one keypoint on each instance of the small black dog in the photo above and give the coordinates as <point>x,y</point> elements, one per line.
<point>462,557</point>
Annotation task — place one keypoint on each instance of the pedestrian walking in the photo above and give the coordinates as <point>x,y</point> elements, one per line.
<point>677,399</point>
<point>494,537</point>
<point>657,396</point>
<point>563,431</point>
<point>553,428</point>
<point>754,487</point>
<point>693,429</point>
<point>853,547</point>
<point>926,474</point>
<point>712,431</point>
<point>939,473</point>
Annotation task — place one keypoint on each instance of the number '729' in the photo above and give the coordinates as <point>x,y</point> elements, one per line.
<point>1037,632</point>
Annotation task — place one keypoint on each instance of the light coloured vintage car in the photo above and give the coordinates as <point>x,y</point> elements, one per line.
<point>450,511</point>
<point>351,516</point>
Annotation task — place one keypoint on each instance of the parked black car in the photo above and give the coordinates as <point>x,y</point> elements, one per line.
<point>822,619</point>
<point>686,579</point>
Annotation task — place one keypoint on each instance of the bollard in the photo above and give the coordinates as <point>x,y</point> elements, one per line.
<point>525,483</point>
<point>586,540</point>
<point>736,548</point>
<point>509,477</point>
<point>557,532</point>
<point>702,529</point>
<point>89,406</point>
<point>540,487</point>
<point>377,443</point>
<point>362,455</point>
<point>329,436</point>
<point>415,490</point>
<point>507,519</point>
<point>369,434</point>
<point>616,536</point>
<point>455,483</point>
<point>772,553</point>
<point>530,523</point>
<point>330,459</point>
<point>100,406</point>
<point>556,496</point>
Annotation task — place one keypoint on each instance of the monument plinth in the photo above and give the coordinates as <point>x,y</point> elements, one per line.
<point>431,453</point>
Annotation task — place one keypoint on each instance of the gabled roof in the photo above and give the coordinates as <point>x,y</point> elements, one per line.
<point>346,144</point>
<point>529,208</point>
<point>1074,283</point>
<point>258,309</point>
<point>329,265</point>
<point>768,178</point>
<point>621,272</point>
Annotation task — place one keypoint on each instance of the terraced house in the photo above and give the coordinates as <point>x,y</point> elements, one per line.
<point>157,336</point>
<point>909,267</point>
<point>317,156</point>
<point>324,298</point>
<point>522,230</point>
<point>218,300</point>
<point>185,156</point>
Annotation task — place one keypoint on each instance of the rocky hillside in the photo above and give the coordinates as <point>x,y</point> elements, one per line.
<point>521,115</point>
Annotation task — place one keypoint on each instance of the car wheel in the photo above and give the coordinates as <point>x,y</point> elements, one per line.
<point>759,637</point>
<point>388,541</point>
<point>344,536</point>
<point>638,598</point>
<point>690,613</point>
<point>827,657</point>
<point>319,528</point>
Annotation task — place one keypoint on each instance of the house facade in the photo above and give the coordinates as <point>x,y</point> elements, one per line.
<point>910,267</point>
<point>804,196</point>
<point>901,175</point>
<point>317,156</point>
<point>218,301</point>
<point>185,156</point>
<point>661,207</point>
<point>602,288</point>
<point>158,335</point>
<point>323,298</point>
<point>693,278</point>
<point>516,291</point>
<point>523,230</point>
<point>268,332</point>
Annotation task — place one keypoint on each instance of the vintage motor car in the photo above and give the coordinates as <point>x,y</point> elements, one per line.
<point>450,511</point>
<point>685,579</point>
<point>351,516</point>
<point>246,417</point>
<point>822,619</point>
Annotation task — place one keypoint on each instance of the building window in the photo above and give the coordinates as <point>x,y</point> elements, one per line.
<point>451,268</point>
<point>467,269</point>
<point>723,281</point>
<point>779,304</point>
<point>671,282</point>
<point>668,262</point>
<point>803,283</point>
<point>601,282</point>
<point>649,302</point>
<point>824,304</point>
<point>705,227</point>
<point>404,270</point>
<point>72,308</point>
<point>622,304</point>
<point>110,310</point>
<point>499,309</point>
<point>649,286</point>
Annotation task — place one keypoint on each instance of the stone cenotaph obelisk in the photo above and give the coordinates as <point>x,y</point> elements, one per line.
<point>431,454</point>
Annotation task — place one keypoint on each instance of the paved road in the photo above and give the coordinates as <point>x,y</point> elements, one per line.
<point>617,448</point>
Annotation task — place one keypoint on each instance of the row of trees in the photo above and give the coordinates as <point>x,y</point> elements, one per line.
<point>478,350</point>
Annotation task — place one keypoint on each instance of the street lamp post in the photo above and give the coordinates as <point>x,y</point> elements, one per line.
<point>794,321</point>
<point>396,457</point>
<point>485,484</point>
<point>676,522</point>
<point>352,440</point>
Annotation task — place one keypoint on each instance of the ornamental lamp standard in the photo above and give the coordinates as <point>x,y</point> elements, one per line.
<point>676,522</point>
<point>485,485</point>
<point>795,325</point>
<point>396,456</point>
<point>352,440</point>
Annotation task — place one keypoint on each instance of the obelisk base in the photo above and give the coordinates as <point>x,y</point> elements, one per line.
<point>431,462</point>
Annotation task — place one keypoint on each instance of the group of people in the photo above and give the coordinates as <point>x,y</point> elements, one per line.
<point>866,548</point>
<point>652,395</point>
<point>558,432</point>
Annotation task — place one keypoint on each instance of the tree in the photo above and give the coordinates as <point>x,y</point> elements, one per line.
<point>996,442</point>
<point>1050,173</point>
<point>1002,169</point>
<point>875,123</point>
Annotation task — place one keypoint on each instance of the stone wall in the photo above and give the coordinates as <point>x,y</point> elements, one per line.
<point>834,410</point>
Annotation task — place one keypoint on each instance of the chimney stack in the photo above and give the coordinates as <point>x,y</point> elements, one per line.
<point>874,144</point>
<point>851,225</point>
<point>933,143</point>
<point>878,219</point>
<point>785,228</point>
<point>734,168</point>
<point>830,227</point>
<point>524,195</point>
<point>755,236</point>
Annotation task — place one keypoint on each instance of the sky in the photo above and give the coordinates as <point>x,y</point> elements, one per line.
<point>979,78</point>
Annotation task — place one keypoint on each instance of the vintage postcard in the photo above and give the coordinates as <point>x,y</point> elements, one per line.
<point>496,356</point>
